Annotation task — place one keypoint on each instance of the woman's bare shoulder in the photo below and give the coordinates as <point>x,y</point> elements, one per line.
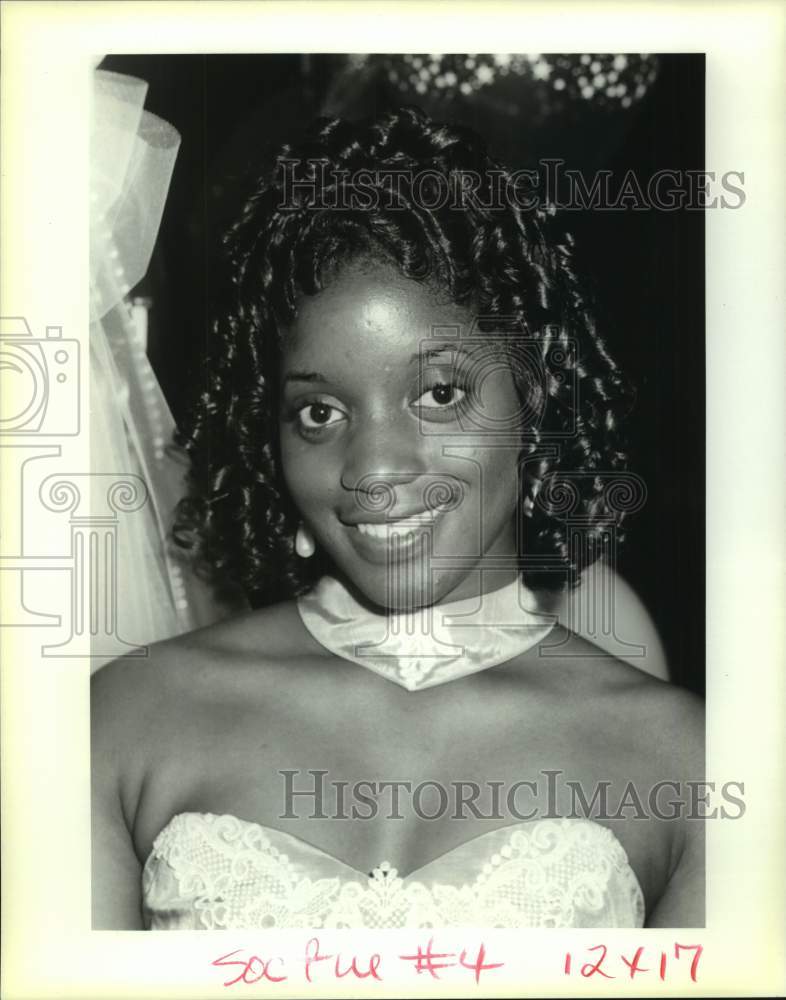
<point>144,706</point>
<point>678,716</point>
<point>611,694</point>
<point>667,724</point>
<point>271,633</point>
<point>174,676</point>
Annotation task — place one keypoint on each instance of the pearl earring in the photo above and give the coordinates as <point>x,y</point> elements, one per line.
<point>304,542</point>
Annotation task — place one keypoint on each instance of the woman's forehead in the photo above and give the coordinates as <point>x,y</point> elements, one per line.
<point>374,311</point>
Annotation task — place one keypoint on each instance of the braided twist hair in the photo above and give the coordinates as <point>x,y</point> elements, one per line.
<point>359,189</point>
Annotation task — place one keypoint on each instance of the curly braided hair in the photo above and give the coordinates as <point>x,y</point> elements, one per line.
<point>360,189</point>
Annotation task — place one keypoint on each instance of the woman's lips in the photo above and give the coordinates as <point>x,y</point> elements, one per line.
<point>379,539</point>
<point>382,531</point>
<point>406,527</point>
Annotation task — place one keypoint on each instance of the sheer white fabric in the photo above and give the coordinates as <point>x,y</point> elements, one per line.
<point>208,872</point>
<point>132,156</point>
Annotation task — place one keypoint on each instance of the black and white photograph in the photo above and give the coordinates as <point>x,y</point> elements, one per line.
<point>430,325</point>
<point>390,579</point>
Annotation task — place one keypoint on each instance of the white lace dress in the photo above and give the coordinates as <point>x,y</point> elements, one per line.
<point>209,872</point>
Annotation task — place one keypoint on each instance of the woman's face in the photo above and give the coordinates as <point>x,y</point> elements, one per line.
<point>398,438</point>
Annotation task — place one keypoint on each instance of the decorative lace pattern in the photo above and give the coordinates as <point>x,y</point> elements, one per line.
<point>207,872</point>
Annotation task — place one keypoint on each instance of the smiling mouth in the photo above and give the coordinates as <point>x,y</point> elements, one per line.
<point>404,525</point>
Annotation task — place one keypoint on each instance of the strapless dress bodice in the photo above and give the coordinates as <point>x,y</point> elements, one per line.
<point>207,871</point>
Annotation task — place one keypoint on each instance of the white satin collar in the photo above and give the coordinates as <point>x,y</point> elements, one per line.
<point>430,645</point>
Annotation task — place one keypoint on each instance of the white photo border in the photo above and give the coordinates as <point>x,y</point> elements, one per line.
<point>48,51</point>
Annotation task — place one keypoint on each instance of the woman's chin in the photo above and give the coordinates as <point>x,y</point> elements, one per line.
<point>389,598</point>
<point>398,592</point>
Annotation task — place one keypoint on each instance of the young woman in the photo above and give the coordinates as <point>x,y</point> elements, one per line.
<point>408,425</point>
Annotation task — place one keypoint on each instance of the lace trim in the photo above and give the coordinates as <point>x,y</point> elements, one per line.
<point>219,871</point>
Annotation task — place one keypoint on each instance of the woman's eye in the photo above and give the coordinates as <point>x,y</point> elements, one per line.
<point>316,416</point>
<point>441,395</point>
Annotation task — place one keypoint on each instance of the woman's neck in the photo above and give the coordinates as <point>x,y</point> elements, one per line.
<point>433,643</point>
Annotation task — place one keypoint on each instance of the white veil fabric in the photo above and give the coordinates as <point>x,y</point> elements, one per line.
<point>132,157</point>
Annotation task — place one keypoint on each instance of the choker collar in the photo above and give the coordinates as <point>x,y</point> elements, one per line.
<point>430,645</point>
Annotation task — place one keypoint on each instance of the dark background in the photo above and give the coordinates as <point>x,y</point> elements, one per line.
<point>646,268</point>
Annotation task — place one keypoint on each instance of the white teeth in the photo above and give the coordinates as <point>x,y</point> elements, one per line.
<point>404,524</point>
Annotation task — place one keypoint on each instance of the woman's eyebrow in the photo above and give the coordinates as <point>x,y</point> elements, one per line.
<point>305,377</point>
<point>434,352</point>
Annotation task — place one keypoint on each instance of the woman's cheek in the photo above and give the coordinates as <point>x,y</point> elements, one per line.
<point>494,480</point>
<point>309,473</point>
<point>295,467</point>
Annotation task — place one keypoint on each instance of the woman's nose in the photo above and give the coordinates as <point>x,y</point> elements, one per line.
<point>384,454</point>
